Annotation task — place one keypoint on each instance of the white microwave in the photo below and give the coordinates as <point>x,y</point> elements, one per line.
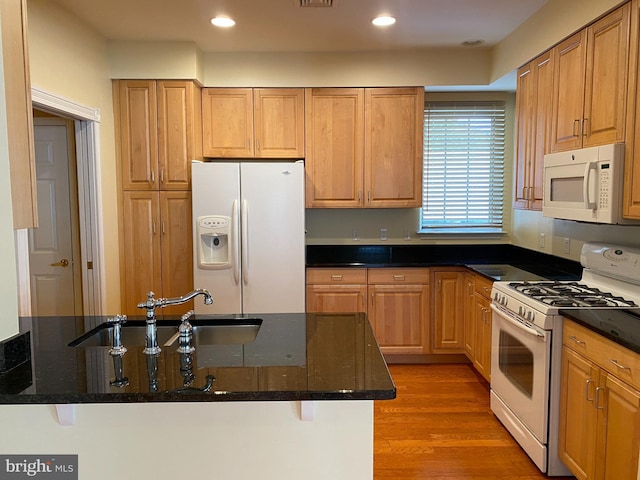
<point>585,185</point>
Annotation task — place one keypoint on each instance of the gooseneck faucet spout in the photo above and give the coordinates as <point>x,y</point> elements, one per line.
<point>150,305</point>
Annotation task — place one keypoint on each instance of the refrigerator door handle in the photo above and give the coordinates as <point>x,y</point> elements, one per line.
<point>234,242</point>
<point>244,235</point>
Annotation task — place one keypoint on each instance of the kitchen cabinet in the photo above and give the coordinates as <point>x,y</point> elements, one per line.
<point>533,116</point>
<point>19,116</point>
<point>159,133</point>
<point>590,84</point>
<point>253,122</point>
<point>469,315</point>
<point>337,290</point>
<point>631,195</point>
<point>482,321</point>
<point>399,309</point>
<point>364,147</point>
<point>334,159</point>
<point>599,434</point>
<point>157,248</point>
<point>447,319</point>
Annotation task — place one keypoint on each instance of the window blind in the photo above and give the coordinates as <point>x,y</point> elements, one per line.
<point>463,174</point>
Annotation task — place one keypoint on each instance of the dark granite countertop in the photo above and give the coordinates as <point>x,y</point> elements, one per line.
<point>491,260</point>
<point>620,326</point>
<point>293,357</point>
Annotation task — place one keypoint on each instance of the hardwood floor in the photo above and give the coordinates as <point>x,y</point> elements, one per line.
<point>440,426</point>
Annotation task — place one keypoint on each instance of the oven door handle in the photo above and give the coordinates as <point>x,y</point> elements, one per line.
<point>515,323</point>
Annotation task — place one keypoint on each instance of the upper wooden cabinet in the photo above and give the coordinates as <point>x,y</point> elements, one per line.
<point>364,147</point>
<point>590,84</point>
<point>253,123</point>
<point>533,116</point>
<point>17,94</point>
<point>334,160</point>
<point>159,133</point>
<point>631,203</point>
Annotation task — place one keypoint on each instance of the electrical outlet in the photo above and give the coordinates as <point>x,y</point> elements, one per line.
<point>567,244</point>
<point>541,240</point>
<point>383,234</point>
<point>356,236</point>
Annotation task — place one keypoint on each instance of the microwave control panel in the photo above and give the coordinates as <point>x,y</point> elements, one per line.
<point>605,185</point>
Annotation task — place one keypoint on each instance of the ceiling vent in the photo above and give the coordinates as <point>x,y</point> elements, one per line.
<point>316,3</point>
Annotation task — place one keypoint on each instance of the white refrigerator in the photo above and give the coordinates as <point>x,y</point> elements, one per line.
<point>249,236</point>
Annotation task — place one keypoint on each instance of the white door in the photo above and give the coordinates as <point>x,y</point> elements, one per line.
<point>54,257</point>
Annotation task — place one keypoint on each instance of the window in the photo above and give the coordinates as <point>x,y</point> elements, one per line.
<point>462,183</point>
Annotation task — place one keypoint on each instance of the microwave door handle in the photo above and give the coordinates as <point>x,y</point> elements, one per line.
<point>585,187</point>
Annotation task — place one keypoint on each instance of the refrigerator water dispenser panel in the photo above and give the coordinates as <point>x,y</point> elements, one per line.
<point>213,242</point>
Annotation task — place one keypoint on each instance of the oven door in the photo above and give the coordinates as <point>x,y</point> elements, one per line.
<point>520,363</point>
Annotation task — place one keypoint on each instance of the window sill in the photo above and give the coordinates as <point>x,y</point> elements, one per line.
<point>461,231</point>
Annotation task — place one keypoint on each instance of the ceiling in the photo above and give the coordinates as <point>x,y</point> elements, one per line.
<point>285,26</point>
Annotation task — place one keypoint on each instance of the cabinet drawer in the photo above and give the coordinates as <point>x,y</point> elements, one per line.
<point>620,361</point>
<point>336,275</point>
<point>483,286</point>
<point>415,276</point>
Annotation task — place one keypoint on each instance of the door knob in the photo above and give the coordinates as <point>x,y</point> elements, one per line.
<point>62,263</point>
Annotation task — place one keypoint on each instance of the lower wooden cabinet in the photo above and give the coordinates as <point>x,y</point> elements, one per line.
<point>447,319</point>
<point>477,322</point>
<point>397,302</point>
<point>157,248</point>
<point>599,406</point>
<point>337,290</point>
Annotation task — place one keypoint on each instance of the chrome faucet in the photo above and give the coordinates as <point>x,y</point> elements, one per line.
<point>151,336</point>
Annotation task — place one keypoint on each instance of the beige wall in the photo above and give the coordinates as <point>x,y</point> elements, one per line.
<point>71,61</point>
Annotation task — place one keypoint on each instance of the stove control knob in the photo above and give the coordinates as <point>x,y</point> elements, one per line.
<point>505,300</point>
<point>530,316</point>
<point>521,311</point>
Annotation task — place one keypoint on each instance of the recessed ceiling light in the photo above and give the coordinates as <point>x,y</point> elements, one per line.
<point>383,21</point>
<point>223,22</point>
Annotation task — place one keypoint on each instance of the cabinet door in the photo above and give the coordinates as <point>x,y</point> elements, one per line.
<point>394,119</point>
<point>177,247</point>
<point>17,95</point>
<point>227,122</point>
<point>631,202</point>
<point>482,358</point>
<point>618,430</point>
<point>525,118</point>
<point>399,314</point>
<point>469,320</point>
<point>336,298</point>
<point>606,79</point>
<point>141,261</point>
<point>278,122</point>
<point>569,59</point>
<point>137,128</point>
<point>448,311</point>
<point>177,133</point>
<point>543,68</point>
<point>334,159</point>
<point>576,445</point>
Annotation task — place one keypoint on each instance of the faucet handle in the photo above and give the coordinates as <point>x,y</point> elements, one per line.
<point>187,315</point>
<point>117,319</point>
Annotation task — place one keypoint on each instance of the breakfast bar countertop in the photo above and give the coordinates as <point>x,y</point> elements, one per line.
<point>293,357</point>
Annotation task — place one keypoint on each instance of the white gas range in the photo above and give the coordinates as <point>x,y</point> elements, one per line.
<point>527,342</point>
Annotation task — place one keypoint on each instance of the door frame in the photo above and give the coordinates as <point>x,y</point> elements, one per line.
<point>87,133</point>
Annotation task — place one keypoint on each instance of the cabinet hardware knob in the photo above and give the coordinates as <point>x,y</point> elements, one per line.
<point>596,401</point>
<point>573,132</point>
<point>399,278</point>
<point>336,278</point>
<point>579,342</point>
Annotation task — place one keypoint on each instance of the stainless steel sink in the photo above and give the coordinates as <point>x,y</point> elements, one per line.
<point>206,331</point>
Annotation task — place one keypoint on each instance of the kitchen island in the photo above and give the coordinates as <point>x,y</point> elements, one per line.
<point>295,402</point>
